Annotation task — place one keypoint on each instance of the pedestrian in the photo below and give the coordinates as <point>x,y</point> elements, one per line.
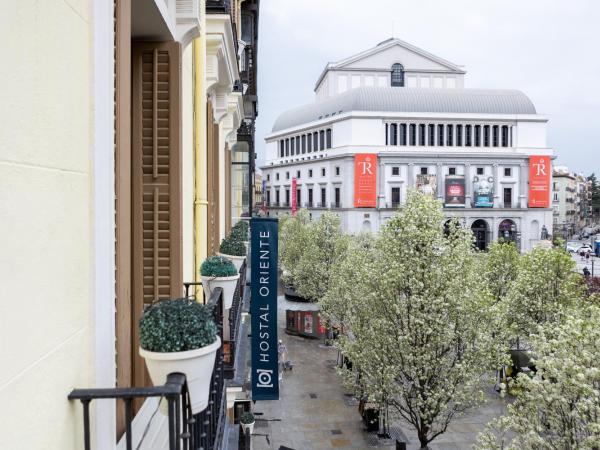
<point>587,256</point>
<point>283,356</point>
<point>586,272</point>
<point>582,254</point>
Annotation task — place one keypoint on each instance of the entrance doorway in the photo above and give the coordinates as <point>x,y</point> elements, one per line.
<point>480,230</point>
<point>507,231</point>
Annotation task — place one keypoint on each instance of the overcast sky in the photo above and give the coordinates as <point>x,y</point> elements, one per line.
<point>549,49</point>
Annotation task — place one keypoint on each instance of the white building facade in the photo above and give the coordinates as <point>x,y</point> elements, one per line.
<point>409,114</point>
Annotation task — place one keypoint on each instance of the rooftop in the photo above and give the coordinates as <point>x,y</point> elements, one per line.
<point>410,100</point>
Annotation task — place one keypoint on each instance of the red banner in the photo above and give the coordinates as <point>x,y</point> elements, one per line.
<point>365,180</point>
<point>540,171</point>
<point>294,197</point>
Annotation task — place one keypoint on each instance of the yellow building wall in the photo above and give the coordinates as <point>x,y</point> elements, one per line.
<point>45,221</point>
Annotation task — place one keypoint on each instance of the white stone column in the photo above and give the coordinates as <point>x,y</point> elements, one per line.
<point>440,181</point>
<point>468,186</point>
<point>496,184</point>
<point>523,178</point>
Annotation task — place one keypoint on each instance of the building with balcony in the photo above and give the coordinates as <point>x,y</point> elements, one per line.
<point>130,111</point>
<point>404,115</point>
<point>571,202</point>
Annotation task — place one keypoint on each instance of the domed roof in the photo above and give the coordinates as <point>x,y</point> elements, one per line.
<point>410,100</point>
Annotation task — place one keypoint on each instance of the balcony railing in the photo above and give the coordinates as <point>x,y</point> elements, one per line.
<point>185,430</point>
<point>335,205</point>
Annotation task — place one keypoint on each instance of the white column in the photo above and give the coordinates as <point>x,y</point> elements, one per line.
<point>468,185</point>
<point>496,185</point>
<point>523,177</point>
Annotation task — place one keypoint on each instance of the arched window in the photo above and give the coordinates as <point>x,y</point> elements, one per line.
<point>397,75</point>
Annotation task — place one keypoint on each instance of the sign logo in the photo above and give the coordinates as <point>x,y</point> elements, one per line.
<point>365,180</point>
<point>539,181</point>
<point>263,308</point>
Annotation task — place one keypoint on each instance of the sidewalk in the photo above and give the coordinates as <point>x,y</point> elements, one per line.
<point>316,414</point>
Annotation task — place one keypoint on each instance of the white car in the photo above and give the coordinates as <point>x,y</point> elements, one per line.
<point>573,246</point>
<point>585,249</point>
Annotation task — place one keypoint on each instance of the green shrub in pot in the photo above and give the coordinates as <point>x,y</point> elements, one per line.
<point>218,271</point>
<point>247,421</point>
<point>241,231</point>
<point>232,246</point>
<point>217,267</point>
<point>180,336</point>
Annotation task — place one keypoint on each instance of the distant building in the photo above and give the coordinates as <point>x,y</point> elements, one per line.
<point>571,202</point>
<point>395,118</point>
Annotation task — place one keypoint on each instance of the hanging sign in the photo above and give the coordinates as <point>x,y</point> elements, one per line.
<point>483,189</point>
<point>294,196</point>
<point>427,184</point>
<point>365,180</point>
<point>455,191</point>
<point>540,170</point>
<point>263,308</point>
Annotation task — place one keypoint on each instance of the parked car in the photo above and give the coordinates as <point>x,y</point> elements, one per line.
<point>585,249</point>
<point>573,246</point>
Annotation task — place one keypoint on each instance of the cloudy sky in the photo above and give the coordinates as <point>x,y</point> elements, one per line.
<point>546,48</point>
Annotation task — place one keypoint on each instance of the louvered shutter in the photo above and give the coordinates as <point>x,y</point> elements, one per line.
<point>156,179</point>
<point>213,181</point>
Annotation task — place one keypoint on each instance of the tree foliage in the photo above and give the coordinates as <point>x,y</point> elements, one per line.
<point>559,407</point>
<point>293,233</point>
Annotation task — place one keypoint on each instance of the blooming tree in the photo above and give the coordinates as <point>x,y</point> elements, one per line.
<point>559,407</point>
<point>418,331</point>
<point>293,232</point>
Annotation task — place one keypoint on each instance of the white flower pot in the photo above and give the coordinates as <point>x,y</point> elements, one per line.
<point>247,244</point>
<point>228,284</point>
<point>197,365</point>
<point>248,426</point>
<point>236,260</point>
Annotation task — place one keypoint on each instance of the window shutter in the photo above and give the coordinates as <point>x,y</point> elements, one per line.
<point>156,179</point>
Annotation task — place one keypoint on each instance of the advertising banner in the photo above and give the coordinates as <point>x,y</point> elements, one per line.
<point>294,196</point>
<point>483,191</point>
<point>540,171</point>
<point>427,184</point>
<point>365,180</point>
<point>263,308</point>
<point>455,191</point>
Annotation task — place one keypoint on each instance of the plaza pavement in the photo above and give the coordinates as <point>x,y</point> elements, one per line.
<point>313,412</point>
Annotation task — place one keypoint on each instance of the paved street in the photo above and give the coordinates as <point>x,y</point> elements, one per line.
<point>315,413</point>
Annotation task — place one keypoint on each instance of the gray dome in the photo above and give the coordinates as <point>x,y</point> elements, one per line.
<point>410,100</point>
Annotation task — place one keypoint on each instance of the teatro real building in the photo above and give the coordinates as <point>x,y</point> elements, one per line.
<point>395,118</point>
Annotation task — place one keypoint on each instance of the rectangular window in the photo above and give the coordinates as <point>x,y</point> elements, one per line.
<point>440,135</point>
<point>450,135</point>
<point>321,140</point>
<point>277,197</point>
<point>504,136</point>
<point>309,142</point>
<point>281,148</point>
<point>480,171</point>
<point>337,170</point>
<point>299,197</point>
<point>422,134</point>
<point>310,197</point>
<point>395,196</point>
<point>287,147</point>
<point>413,134</point>
<point>315,142</point>
<point>293,146</point>
<point>431,135</point>
<point>323,171</point>
<point>452,171</point>
<point>395,171</point>
<point>507,172</point>
<point>459,135</point>
<point>387,134</point>
<point>268,177</point>
<point>424,170</point>
<point>328,137</point>
<point>287,197</point>
<point>468,135</point>
<point>477,135</point>
<point>323,197</point>
<point>298,174</point>
<point>337,198</point>
<point>508,197</point>
<point>287,175</point>
<point>394,134</point>
<point>303,144</point>
<point>403,134</point>
<point>277,176</point>
<point>309,173</point>
<point>269,197</point>
<point>486,135</point>
<point>495,136</point>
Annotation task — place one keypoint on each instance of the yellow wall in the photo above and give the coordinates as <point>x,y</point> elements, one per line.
<point>45,220</point>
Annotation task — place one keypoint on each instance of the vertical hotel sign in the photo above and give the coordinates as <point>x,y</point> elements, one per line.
<point>263,308</point>
<point>540,170</point>
<point>294,196</point>
<point>365,180</point>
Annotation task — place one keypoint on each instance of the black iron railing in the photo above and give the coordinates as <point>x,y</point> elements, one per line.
<point>186,431</point>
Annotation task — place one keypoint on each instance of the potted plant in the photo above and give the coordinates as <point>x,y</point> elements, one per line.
<point>241,232</point>
<point>180,336</point>
<point>247,421</point>
<point>218,271</point>
<point>233,249</point>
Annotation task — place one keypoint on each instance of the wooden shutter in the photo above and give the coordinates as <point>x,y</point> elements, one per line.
<point>213,180</point>
<point>156,181</point>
